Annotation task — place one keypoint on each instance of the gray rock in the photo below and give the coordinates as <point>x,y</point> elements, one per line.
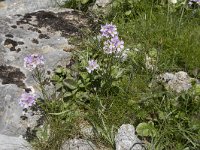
<point>177,82</point>
<point>42,32</point>
<point>101,6</point>
<point>126,139</point>
<point>86,130</point>
<point>102,3</point>
<point>78,144</point>
<point>13,143</point>
<point>10,111</point>
<point>10,7</point>
<point>17,40</point>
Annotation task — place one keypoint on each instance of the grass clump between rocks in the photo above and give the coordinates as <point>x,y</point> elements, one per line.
<point>141,68</point>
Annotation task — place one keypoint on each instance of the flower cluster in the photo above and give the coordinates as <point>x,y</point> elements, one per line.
<point>113,44</point>
<point>92,65</point>
<point>32,61</point>
<point>27,100</point>
<point>108,30</point>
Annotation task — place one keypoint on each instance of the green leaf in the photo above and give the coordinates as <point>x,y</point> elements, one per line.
<point>127,13</point>
<point>117,72</point>
<point>162,115</point>
<point>67,94</point>
<point>81,95</point>
<point>84,1</point>
<point>60,113</point>
<point>56,78</point>
<point>146,129</point>
<point>59,70</point>
<point>58,86</point>
<point>84,75</point>
<point>197,89</point>
<point>70,83</point>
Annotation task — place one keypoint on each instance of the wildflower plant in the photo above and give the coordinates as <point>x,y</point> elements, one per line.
<point>32,63</point>
<point>110,55</point>
<point>97,69</point>
<point>49,104</point>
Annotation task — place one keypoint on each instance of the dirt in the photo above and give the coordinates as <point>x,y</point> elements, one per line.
<point>35,41</point>
<point>44,36</point>
<point>9,35</point>
<point>69,23</point>
<point>12,75</point>
<point>14,26</point>
<point>12,45</point>
<point>34,29</point>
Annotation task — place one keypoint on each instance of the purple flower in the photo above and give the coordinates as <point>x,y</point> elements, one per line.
<point>119,45</point>
<point>108,30</point>
<point>109,47</point>
<point>113,45</point>
<point>32,61</point>
<point>27,100</point>
<point>92,65</point>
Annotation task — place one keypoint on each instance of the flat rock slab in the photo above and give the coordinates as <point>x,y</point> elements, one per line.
<point>30,27</point>
<point>13,143</point>
<point>43,32</point>
<point>10,7</point>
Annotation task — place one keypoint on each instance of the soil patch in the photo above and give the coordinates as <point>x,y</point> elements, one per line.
<point>12,44</point>
<point>69,23</point>
<point>12,75</point>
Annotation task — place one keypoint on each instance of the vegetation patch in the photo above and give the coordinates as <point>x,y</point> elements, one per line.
<point>140,67</point>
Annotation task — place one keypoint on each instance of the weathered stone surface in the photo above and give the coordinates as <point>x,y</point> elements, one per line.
<point>86,130</point>
<point>10,111</point>
<point>126,139</point>
<point>102,3</point>
<point>101,6</point>
<point>177,82</point>
<point>13,143</point>
<point>10,7</point>
<point>78,144</point>
<point>44,32</point>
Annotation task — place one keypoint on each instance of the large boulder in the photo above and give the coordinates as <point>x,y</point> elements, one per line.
<point>10,7</point>
<point>43,32</point>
